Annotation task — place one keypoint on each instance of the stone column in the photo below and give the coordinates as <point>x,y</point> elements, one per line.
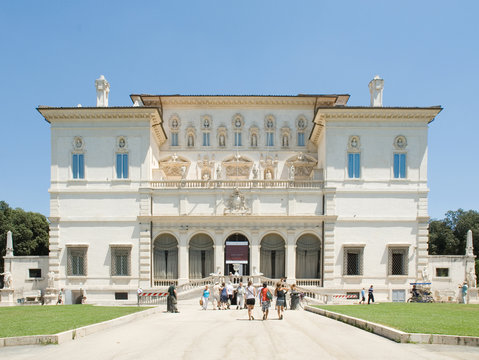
<point>290,257</point>
<point>183,265</point>
<point>254,252</point>
<point>219,252</point>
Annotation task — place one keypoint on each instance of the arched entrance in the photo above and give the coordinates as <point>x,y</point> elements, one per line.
<point>308,257</point>
<point>165,257</point>
<point>237,252</point>
<point>272,256</point>
<point>201,256</point>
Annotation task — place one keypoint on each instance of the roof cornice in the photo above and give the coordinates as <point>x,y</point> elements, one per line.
<point>360,114</point>
<point>235,101</point>
<point>372,113</point>
<point>104,113</point>
<point>61,114</point>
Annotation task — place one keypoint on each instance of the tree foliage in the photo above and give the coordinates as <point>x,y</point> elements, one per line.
<point>448,236</point>
<point>29,231</point>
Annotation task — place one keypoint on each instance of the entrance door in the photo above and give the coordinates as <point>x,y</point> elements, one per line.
<point>237,255</point>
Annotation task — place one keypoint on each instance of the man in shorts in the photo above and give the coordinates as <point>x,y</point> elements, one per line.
<point>265,297</point>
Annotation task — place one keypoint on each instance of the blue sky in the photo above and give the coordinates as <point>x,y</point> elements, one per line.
<point>51,52</point>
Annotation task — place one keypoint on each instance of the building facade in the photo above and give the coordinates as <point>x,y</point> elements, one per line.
<point>176,188</point>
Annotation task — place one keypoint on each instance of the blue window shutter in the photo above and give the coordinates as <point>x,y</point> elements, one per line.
<point>75,166</point>
<point>356,165</point>
<point>239,139</point>
<point>125,166</point>
<point>396,166</point>
<point>81,167</point>
<point>301,139</point>
<point>403,166</point>
<point>118,166</point>
<point>350,165</point>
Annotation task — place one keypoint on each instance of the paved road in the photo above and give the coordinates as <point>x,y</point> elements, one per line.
<point>197,334</point>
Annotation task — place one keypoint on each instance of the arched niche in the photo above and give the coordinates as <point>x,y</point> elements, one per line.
<point>272,256</point>
<point>308,257</point>
<point>165,257</point>
<point>201,256</point>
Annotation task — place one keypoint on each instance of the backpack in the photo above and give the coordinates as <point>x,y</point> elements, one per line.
<point>268,296</point>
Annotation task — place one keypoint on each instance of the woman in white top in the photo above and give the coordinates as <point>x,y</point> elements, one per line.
<point>250,299</point>
<point>240,290</point>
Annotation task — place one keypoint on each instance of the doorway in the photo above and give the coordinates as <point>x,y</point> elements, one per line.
<point>237,255</point>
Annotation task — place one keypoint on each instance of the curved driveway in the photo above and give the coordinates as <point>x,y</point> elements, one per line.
<point>198,334</point>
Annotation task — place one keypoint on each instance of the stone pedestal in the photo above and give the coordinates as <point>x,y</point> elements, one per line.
<point>473,296</point>
<point>51,296</point>
<point>6,297</point>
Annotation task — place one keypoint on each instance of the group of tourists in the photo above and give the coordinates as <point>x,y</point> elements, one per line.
<point>223,296</point>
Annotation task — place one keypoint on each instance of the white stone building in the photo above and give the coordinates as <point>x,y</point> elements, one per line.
<point>175,188</point>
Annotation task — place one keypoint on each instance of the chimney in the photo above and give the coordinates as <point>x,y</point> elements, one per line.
<point>376,87</point>
<point>102,90</point>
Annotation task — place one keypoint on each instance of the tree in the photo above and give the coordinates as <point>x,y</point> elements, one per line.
<point>29,231</point>
<point>448,236</point>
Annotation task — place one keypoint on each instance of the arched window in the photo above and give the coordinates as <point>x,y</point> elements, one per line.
<point>354,158</point>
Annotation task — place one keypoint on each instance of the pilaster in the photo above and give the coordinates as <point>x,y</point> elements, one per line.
<point>219,251</point>
<point>183,265</point>
<point>290,257</point>
<point>254,251</point>
<point>328,268</point>
<point>144,254</point>
<point>54,247</point>
<point>421,249</point>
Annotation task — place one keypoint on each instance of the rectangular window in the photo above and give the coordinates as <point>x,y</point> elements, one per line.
<point>78,166</point>
<point>121,296</point>
<point>398,264</point>
<point>442,272</point>
<point>174,139</point>
<point>301,139</point>
<point>122,166</point>
<point>237,139</point>
<point>120,261</point>
<point>354,165</point>
<point>269,139</point>
<point>400,166</point>
<point>206,139</point>
<point>353,261</point>
<point>76,261</point>
<point>34,273</point>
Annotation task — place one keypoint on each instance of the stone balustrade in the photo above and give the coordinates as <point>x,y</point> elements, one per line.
<point>241,184</point>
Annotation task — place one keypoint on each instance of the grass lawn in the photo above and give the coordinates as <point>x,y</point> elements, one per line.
<point>447,319</point>
<point>46,320</point>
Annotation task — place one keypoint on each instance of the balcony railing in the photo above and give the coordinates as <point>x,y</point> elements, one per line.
<point>241,184</point>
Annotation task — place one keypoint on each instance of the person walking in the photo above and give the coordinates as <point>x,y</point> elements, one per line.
<point>280,294</point>
<point>223,297</point>
<point>363,296</point>
<point>206,296</point>
<point>250,292</point>
<point>240,290</point>
<point>370,294</point>
<point>216,296</point>
<point>266,297</point>
<point>171,300</point>
<point>230,292</point>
